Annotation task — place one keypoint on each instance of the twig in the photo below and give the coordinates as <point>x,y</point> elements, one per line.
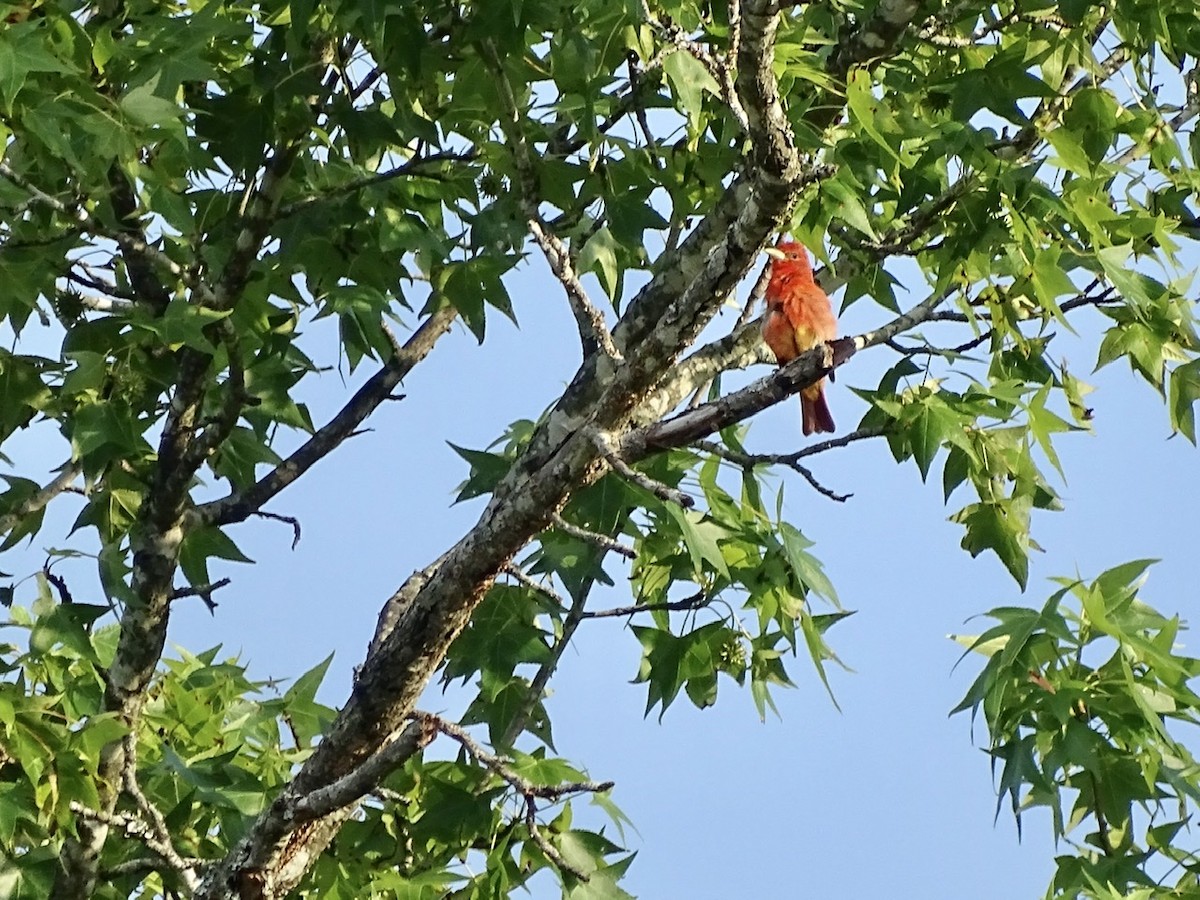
<point>276,517</point>
<point>603,541</point>
<point>138,830</point>
<point>514,571</point>
<point>645,482</point>
<point>592,329</point>
<point>412,168</point>
<point>38,499</point>
<point>748,461</point>
<point>203,591</point>
<point>537,684</point>
<point>697,601</point>
<point>929,350</point>
<point>721,68</point>
<point>157,821</point>
<point>529,791</point>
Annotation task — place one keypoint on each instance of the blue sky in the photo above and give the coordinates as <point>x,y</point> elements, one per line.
<point>889,797</point>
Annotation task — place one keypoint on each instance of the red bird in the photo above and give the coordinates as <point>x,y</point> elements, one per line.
<point>798,318</point>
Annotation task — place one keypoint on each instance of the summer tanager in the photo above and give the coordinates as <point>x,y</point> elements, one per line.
<point>798,318</point>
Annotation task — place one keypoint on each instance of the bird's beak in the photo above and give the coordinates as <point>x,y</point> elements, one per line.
<point>774,253</point>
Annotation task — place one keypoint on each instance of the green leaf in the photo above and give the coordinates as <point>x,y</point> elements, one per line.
<point>1003,528</point>
<point>203,544</point>
<point>806,566</point>
<point>691,81</point>
<point>1184,391</point>
<point>700,536</point>
<point>143,106</point>
<point>867,112</point>
<point>599,254</point>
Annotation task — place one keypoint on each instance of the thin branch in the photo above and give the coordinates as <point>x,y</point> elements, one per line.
<point>603,541</point>
<point>138,830</point>
<point>721,67</point>
<point>748,461</point>
<point>289,520</point>
<point>237,507</point>
<point>537,684</point>
<point>645,482</point>
<point>203,591</point>
<point>157,821</point>
<point>262,211</point>
<point>412,168</point>
<point>699,600</point>
<point>514,571</point>
<point>38,499</point>
<point>590,321</point>
<point>529,791</point>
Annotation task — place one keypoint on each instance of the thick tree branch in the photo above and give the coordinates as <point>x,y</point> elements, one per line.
<point>366,778</point>
<point>875,38</point>
<point>664,318</point>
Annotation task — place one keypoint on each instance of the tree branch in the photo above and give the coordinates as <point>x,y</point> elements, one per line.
<point>748,461</point>
<point>664,317</point>
<point>529,791</point>
<point>238,507</point>
<point>38,499</point>
<point>595,538</point>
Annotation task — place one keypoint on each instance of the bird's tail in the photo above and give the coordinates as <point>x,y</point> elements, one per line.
<point>814,411</point>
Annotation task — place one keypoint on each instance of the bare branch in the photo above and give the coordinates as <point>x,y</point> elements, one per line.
<point>527,789</point>
<point>514,572</point>
<point>38,499</point>
<point>237,507</point>
<point>417,167</point>
<point>697,601</point>
<point>537,684</point>
<point>138,830</point>
<point>603,541</point>
<point>289,520</point>
<point>203,591</point>
<point>593,331</point>
<point>645,482</point>
<point>748,461</point>
<point>163,844</point>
